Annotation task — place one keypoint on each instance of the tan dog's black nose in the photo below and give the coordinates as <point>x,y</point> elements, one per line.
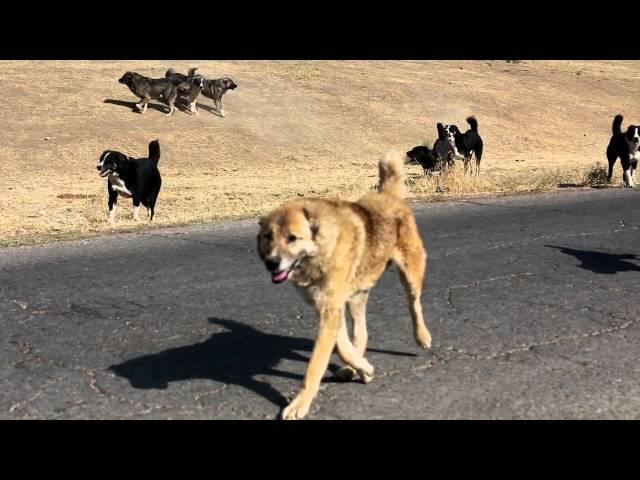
<point>272,263</point>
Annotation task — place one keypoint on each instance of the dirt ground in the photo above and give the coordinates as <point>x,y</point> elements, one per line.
<point>293,128</point>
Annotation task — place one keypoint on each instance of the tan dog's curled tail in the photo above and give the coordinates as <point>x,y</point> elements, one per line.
<point>392,177</point>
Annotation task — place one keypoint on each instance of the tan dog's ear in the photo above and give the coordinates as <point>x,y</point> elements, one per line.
<point>313,222</point>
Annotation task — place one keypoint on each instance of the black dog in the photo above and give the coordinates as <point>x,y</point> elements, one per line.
<point>466,144</point>
<point>215,89</point>
<point>189,86</point>
<point>626,146</point>
<point>136,178</point>
<point>151,88</point>
<point>425,157</point>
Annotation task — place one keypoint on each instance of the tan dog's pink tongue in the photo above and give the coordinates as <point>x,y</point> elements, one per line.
<point>280,277</point>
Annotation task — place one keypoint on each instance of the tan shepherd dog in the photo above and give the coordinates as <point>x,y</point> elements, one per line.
<point>334,252</point>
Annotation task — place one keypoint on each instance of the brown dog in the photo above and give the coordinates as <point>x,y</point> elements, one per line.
<point>334,252</point>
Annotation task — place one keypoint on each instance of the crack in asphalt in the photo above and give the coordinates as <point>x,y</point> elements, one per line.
<point>215,244</point>
<point>528,240</point>
<point>92,374</point>
<point>325,394</point>
<point>512,207</point>
<point>41,391</point>
<point>198,396</point>
<point>27,350</point>
<point>450,289</point>
<point>527,347</point>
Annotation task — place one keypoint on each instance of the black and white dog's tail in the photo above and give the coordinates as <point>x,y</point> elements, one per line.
<point>192,71</point>
<point>473,123</point>
<point>617,125</point>
<point>154,151</point>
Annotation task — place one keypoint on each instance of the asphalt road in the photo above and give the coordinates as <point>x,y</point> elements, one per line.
<point>532,302</point>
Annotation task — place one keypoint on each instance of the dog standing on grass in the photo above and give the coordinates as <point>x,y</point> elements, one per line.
<point>334,252</point>
<point>465,144</point>
<point>627,147</point>
<point>135,178</point>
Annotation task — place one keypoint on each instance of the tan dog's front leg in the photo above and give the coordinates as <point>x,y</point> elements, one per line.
<point>330,318</point>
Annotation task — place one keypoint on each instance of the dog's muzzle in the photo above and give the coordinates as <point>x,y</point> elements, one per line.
<point>103,173</point>
<point>279,276</point>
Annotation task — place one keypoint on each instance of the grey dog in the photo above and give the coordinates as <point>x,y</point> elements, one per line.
<point>150,88</point>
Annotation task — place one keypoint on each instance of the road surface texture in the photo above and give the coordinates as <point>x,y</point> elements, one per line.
<point>532,302</point>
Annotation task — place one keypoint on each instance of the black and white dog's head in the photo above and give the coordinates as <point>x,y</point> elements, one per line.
<point>444,147</point>
<point>199,81</point>
<point>449,134</point>
<point>111,162</point>
<point>632,136</point>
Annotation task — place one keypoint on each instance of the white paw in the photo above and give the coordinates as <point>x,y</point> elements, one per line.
<point>297,409</point>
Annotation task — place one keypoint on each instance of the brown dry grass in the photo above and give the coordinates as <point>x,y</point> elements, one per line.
<point>293,128</point>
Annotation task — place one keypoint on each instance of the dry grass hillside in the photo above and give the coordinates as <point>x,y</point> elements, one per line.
<point>293,128</point>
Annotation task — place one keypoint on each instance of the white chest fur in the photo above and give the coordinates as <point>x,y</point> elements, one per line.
<point>118,185</point>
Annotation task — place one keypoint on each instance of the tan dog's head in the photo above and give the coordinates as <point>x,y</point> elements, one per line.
<point>286,239</point>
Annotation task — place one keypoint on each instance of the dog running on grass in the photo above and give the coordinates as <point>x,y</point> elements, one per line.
<point>334,252</point>
<point>215,90</point>
<point>189,86</point>
<point>150,88</point>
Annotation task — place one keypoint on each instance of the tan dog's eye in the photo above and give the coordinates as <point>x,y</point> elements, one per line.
<point>291,238</point>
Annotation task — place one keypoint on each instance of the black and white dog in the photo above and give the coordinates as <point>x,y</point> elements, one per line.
<point>431,160</point>
<point>189,86</point>
<point>135,178</point>
<point>627,147</point>
<point>465,144</point>
<point>442,148</point>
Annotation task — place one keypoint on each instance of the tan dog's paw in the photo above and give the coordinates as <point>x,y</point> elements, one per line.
<point>423,338</point>
<point>297,409</point>
<point>345,374</point>
<point>366,374</point>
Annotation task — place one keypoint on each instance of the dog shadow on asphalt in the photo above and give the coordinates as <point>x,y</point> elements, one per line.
<point>235,357</point>
<point>601,262</point>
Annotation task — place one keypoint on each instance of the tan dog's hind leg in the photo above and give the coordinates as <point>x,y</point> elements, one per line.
<point>411,259</point>
<point>330,318</point>
<point>357,308</point>
<point>354,360</point>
